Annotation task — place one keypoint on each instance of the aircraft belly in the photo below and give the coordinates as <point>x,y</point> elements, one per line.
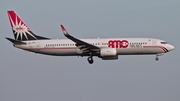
<point>60,52</point>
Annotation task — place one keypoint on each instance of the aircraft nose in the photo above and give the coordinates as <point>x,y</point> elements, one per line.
<point>171,47</point>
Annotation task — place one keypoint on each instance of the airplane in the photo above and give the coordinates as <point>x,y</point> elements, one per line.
<point>104,48</point>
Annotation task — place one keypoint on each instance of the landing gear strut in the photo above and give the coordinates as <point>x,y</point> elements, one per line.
<point>90,58</point>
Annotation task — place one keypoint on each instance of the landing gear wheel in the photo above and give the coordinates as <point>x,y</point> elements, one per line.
<point>90,60</point>
<point>156,58</point>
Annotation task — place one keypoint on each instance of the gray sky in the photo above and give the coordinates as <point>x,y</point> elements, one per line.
<point>26,76</point>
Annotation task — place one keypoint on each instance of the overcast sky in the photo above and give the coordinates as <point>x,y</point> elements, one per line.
<point>26,76</point>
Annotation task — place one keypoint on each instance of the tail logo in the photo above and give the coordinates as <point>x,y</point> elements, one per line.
<point>20,30</point>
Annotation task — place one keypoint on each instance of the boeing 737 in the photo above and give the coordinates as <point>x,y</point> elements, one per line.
<point>104,48</point>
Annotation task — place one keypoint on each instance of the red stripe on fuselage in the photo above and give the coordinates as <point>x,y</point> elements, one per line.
<point>156,47</point>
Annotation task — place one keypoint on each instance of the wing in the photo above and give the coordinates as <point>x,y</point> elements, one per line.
<point>83,46</point>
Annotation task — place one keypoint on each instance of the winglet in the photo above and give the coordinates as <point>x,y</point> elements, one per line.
<point>64,30</point>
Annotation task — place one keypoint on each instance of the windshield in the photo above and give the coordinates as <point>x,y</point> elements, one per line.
<point>164,42</point>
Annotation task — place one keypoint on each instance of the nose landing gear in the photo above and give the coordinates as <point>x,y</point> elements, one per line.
<point>156,58</point>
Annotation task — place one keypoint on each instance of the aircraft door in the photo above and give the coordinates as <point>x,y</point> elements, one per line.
<point>34,44</point>
<point>37,44</point>
<point>154,42</point>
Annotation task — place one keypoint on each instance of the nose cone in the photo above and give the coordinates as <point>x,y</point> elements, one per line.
<point>171,47</point>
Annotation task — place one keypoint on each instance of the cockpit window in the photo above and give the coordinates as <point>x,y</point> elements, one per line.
<point>164,42</point>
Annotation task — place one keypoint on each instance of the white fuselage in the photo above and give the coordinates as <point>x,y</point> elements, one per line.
<point>105,48</point>
<point>124,46</point>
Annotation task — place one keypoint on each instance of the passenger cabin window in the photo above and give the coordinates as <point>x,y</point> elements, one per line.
<point>164,42</point>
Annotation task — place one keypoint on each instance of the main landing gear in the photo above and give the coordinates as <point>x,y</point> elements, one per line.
<point>90,58</point>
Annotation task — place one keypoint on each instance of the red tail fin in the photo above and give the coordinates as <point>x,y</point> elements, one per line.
<point>16,21</point>
<point>20,30</point>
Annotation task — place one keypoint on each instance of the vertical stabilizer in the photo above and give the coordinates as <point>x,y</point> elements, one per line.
<point>20,30</point>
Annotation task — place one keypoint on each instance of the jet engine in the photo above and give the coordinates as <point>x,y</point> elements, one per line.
<point>108,54</point>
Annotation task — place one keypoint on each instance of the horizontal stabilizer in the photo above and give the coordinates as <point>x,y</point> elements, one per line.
<point>15,41</point>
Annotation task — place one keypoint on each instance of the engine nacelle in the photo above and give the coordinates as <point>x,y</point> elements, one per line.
<point>108,54</point>
<point>110,58</point>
